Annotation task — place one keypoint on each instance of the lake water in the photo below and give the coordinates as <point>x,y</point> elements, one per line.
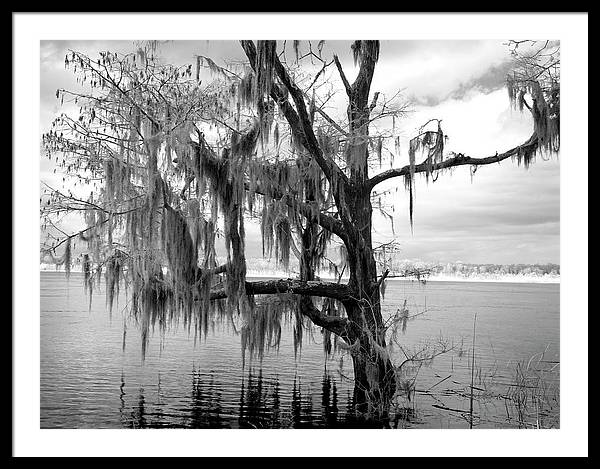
<point>87,379</point>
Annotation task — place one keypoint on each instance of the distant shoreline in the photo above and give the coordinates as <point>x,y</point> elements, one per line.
<point>546,279</point>
<point>446,278</point>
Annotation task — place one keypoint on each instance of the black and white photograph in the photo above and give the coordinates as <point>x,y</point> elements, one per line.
<point>251,228</point>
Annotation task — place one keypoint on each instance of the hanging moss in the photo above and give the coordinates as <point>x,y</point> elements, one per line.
<point>283,236</point>
<point>545,109</point>
<point>298,329</point>
<point>179,248</point>
<point>330,307</point>
<point>113,275</point>
<point>243,147</point>
<point>88,282</point>
<point>266,54</point>
<point>430,144</point>
<point>378,148</point>
<point>276,134</point>
<point>261,331</point>
<point>65,260</point>
<point>246,90</point>
<point>408,184</point>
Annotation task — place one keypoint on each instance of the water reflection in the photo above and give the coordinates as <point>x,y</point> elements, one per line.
<point>263,406</point>
<point>329,401</point>
<point>259,402</point>
<point>136,416</point>
<point>205,403</point>
<point>262,403</point>
<point>139,414</point>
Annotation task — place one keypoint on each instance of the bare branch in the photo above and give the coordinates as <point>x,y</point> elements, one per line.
<point>343,75</point>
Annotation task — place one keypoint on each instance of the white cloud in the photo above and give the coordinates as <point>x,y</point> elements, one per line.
<point>433,70</point>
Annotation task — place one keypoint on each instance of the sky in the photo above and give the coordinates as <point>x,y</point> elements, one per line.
<point>502,214</point>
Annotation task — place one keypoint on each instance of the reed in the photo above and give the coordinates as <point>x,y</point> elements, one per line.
<point>472,375</point>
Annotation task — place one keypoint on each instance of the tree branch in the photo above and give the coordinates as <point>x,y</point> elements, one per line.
<point>335,324</point>
<point>299,119</point>
<point>340,292</point>
<point>343,76</point>
<point>333,290</point>
<point>458,160</point>
<point>326,221</point>
<point>333,123</point>
<point>203,273</point>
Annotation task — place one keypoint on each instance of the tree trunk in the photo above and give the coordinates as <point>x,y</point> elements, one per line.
<point>374,375</point>
<point>373,370</point>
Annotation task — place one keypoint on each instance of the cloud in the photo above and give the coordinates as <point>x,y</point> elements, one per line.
<point>492,79</point>
<point>432,71</point>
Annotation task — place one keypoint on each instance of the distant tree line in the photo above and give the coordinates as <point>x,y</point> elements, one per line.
<point>472,270</point>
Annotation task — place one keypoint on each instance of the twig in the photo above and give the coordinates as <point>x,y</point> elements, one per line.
<point>447,408</point>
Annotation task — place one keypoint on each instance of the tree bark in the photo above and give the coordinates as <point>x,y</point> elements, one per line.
<point>373,370</point>
<point>289,285</point>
